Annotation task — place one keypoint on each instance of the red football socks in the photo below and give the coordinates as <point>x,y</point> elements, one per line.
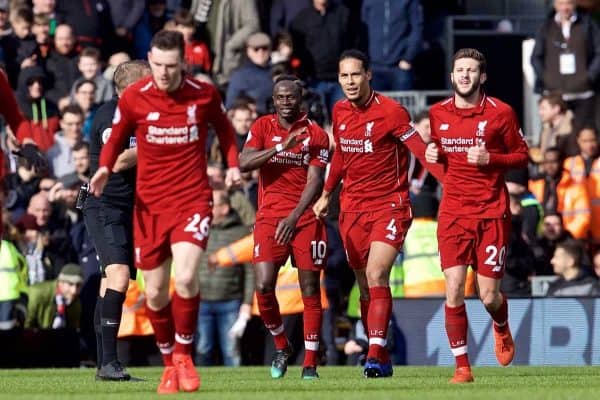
<point>456,329</point>
<point>185,315</point>
<point>313,315</point>
<point>269,312</point>
<point>164,331</point>
<point>378,319</point>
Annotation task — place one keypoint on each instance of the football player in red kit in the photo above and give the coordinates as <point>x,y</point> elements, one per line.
<point>292,152</point>
<point>170,113</point>
<point>372,133</point>
<point>477,138</point>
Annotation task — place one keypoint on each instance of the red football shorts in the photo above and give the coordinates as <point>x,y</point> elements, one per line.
<point>153,234</point>
<point>359,230</point>
<point>481,243</point>
<point>308,247</point>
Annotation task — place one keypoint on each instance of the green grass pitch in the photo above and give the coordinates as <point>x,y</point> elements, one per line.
<point>336,383</point>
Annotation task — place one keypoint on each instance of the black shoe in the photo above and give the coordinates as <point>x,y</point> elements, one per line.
<point>279,364</point>
<point>310,373</point>
<point>113,371</point>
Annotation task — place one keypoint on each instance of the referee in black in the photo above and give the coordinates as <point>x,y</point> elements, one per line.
<point>109,222</point>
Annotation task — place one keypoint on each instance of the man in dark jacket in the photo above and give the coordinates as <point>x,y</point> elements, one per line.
<point>91,22</point>
<point>320,34</point>
<point>566,58</point>
<point>254,77</point>
<point>394,36</point>
<point>574,280</point>
<point>61,64</point>
<point>553,232</point>
<point>226,292</point>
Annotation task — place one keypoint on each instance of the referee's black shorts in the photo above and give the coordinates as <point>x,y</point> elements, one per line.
<point>111,230</point>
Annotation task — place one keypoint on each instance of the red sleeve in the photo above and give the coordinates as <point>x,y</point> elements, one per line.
<point>123,124</point>
<point>11,112</point>
<point>403,129</point>
<point>224,130</point>
<point>517,154</point>
<point>319,149</point>
<point>417,146</point>
<point>401,125</point>
<point>255,138</point>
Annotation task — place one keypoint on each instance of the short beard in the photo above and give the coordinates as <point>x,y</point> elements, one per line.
<point>465,95</point>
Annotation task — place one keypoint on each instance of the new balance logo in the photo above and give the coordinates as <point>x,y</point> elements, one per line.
<point>497,268</point>
<point>276,139</point>
<point>153,116</point>
<point>444,127</point>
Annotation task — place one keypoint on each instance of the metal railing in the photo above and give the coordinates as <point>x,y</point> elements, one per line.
<point>418,100</point>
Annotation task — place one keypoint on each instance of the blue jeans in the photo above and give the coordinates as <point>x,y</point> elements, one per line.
<point>330,92</point>
<point>215,318</point>
<point>391,78</point>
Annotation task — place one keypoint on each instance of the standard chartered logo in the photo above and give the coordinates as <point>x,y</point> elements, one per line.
<point>368,146</point>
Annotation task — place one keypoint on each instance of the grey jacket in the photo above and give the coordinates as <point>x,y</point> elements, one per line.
<point>237,19</point>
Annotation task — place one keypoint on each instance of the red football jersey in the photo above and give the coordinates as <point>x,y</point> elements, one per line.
<point>371,154</point>
<point>170,130</point>
<point>469,190</point>
<point>282,179</point>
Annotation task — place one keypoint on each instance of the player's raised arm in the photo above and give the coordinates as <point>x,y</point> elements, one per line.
<point>254,157</point>
<point>333,179</point>
<point>408,135</point>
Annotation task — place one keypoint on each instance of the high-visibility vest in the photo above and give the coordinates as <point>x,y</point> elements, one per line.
<point>593,187</point>
<point>573,203</point>
<point>238,252</point>
<point>421,264</point>
<point>13,272</point>
<point>134,321</point>
<point>288,293</point>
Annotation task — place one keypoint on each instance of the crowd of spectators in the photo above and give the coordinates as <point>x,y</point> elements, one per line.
<point>59,56</point>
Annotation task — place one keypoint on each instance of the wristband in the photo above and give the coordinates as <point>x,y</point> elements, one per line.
<point>278,147</point>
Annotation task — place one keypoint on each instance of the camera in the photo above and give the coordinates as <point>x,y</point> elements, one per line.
<point>82,196</point>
